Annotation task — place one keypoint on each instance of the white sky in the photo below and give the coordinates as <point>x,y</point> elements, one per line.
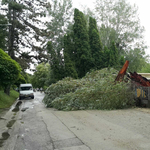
<point>143,10</point>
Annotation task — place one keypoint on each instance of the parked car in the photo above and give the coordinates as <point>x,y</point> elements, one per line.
<point>26,90</point>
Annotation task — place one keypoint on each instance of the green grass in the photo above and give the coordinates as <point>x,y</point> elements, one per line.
<point>6,101</point>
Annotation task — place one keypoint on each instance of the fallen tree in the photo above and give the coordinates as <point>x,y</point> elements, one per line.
<point>97,90</point>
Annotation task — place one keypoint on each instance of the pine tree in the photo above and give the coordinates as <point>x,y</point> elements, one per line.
<point>3,32</point>
<point>26,30</point>
<point>82,54</point>
<point>95,44</point>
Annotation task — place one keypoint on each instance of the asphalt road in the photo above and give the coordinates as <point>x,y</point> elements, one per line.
<point>31,126</point>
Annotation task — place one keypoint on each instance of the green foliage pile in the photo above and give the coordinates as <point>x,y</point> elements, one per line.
<point>60,88</point>
<point>97,90</point>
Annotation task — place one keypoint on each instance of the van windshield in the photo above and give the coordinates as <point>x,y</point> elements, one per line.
<point>26,88</point>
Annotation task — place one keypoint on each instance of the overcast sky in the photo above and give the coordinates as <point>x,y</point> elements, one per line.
<point>143,9</point>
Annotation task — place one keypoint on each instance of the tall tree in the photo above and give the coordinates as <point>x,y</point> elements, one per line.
<point>21,80</point>
<point>107,35</point>
<point>136,58</point>
<point>3,31</point>
<point>59,15</point>
<point>145,68</point>
<point>40,76</point>
<point>82,53</point>
<point>57,70</point>
<point>120,20</point>
<point>26,30</point>
<point>106,58</point>
<point>95,44</point>
<point>69,65</point>
<point>114,57</point>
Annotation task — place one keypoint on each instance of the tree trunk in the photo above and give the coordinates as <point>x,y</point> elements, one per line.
<point>7,90</point>
<point>11,17</point>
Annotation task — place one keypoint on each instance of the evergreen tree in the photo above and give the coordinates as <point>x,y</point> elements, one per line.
<point>106,58</point>
<point>95,44</point>
<point>57,72</point>
<point>70,70</point>
<point>82,54</point>
<point>121,61</point>
<point>114,57</point>
<point>25,30</point>
<point>3,31</point>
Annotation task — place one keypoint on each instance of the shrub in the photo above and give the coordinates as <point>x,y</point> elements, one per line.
<point>9,71</point>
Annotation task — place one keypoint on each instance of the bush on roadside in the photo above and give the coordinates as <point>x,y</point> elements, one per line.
<point>9,71</point>
<point>97,90</point>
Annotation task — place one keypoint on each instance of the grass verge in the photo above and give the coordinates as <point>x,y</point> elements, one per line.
<point>6,101</point>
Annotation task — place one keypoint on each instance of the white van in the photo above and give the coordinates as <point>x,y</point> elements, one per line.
<point>26,90</point>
